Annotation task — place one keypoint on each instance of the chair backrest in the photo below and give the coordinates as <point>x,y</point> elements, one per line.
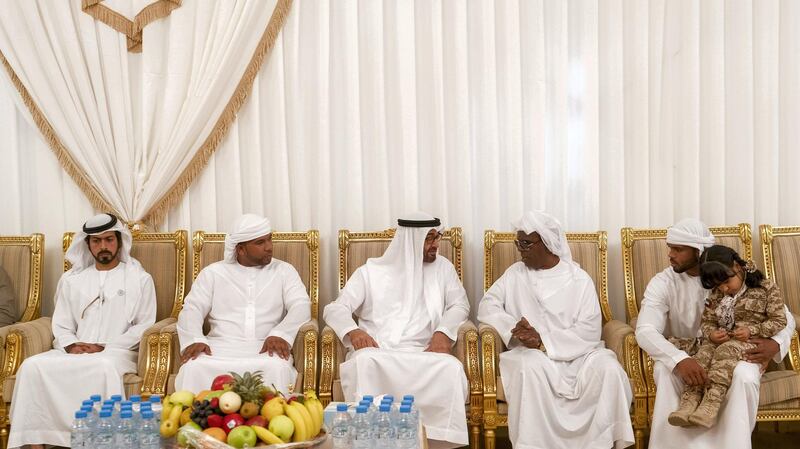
<point>781,250</point>
<point>163,255</point>
<point>645,253</point>
<point>589,250</point>
<point>22,257</point>
<point>356,247</point>
<point>300,249</point>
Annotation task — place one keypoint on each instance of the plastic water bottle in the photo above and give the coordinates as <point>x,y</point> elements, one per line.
<point>97,402</point>
<point>81,434</point>
<point>125,437</point>
<point>149,438</point>
<point>155,404</point>
<point>385,428</point>
<point>341,428</point>
<point>413,409</point>
<point>117,399</point>
<point>104,436</point>
<point>406,429</point>
<point>91,419</point>
<point>372,411</point>
<point>362,427</point>
<point>136,401</point>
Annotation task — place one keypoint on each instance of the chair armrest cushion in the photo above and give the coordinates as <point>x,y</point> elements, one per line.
<point>144,348</point>
<point>37,336</point>
<point>614,333</point>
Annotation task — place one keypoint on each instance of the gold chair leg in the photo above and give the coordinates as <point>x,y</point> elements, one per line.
<point>638,437</point>
<point>475,437</point>
<point>488,439</point>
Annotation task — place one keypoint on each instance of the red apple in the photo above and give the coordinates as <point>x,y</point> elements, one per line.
<point>257,420</point>
<point>215,421</point>
<point>221,381</point>
<point>229,422</point>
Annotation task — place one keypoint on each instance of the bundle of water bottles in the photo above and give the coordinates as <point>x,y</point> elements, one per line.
<point>115,423</point>
<point>389,425</point>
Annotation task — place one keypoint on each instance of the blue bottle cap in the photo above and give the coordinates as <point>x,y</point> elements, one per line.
<point>116,397</point>
<point>147,414</point>
<point>409,396</point>
<point>155,399</point>
<point>405,409</point>
<point>80,414</point>
<point>388,396</point>
<point>341,407</point>
<point>361,409</point>
<point>105,414</point>
<point>367,397</point>
<point>96,398</point>
<point>146,406</point>
<point>87,408</point>
<point>135,398</point>
<point>87,402</point>
<point>385,407</point>
<point>126,414</point>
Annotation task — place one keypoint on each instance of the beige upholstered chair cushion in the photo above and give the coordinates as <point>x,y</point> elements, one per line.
<point>779,387</point>
<point>786,257</point>
<point>15,260</point>
<point>159,259</point>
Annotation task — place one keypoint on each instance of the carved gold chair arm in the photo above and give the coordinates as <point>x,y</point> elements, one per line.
<point>794,350</point>
<point>304,352</point>
<point>330,364</point>
<point>491,347</point>
<point>155,357</point>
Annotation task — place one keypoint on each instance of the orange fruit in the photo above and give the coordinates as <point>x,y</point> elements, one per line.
<point>202,395</point>
<point>216,433</point>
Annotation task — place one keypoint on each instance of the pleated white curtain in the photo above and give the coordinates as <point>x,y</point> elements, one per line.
<point>606,113</point>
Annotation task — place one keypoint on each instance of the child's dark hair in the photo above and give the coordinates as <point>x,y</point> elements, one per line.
<point>716,266</point>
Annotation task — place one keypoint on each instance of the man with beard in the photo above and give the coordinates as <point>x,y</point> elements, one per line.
<point>563,387</point>
<point>103,305</point>
<point>254,305</point>
<point>668,329</point>
<point>410,304</point>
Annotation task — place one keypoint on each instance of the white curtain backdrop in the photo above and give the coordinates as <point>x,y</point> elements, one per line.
<point>606,113</point>
<point>132,122</point>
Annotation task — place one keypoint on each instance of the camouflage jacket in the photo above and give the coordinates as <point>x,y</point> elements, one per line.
<point>760,309</point>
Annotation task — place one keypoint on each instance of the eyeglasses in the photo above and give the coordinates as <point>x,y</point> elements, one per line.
<point>433,238</point>
<point>524,245</point>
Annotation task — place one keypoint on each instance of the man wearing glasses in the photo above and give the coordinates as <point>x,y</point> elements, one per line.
<point>103,305</point>
<point>410,304</point>
<point>563,388</point>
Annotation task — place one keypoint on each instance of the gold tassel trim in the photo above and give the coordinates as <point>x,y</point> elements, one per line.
<point>131,29</point>
<point>64,158</point>
<point>158,211</point>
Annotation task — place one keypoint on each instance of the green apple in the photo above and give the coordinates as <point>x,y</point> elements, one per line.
<point>183,439</point>
<point>242,436</point>
<point>282,427</point>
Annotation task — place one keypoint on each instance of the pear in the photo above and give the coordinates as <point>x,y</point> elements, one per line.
<point>273,408</point>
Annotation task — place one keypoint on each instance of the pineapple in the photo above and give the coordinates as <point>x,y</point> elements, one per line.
<point>249,386</point>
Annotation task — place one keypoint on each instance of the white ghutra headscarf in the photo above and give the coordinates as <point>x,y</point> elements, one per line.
<point>549,229</point>
<point>690,232</point>
<point>245,228</point>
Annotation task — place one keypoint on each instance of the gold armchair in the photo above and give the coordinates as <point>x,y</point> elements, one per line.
<point>779,399</point>
<point>163,255</point>
<point>301,250</point>
<point>354,250</point>
<point>644,254</point>
<point>590,251</point>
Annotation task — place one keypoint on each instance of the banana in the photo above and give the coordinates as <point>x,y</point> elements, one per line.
<point>267,436</point>
<point>313,400</point>
<point>166,407</point>
<point>316,419</point>
<point>175,413</point>
<point>300,428</point>
<point>307,418</point>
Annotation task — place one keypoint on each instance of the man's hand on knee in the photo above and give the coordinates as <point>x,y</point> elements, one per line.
<point>439,343</point>
<point>194,350</point>
<point>765,350</point>
<point>690,372</point>
<point>361,339</point>
<point>276,345</point>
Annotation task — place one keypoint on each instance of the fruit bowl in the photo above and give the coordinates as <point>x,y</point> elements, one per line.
<point>199,440</point>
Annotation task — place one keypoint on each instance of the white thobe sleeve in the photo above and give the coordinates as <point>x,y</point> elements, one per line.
<point>296,303</point>
<point>456,305</point>
<point>651,324</point>
<point>492,309</point>
<point>63,322</point>
<point>784,337</point>
<point>144,315</point>
<point>582,336</point>
<point>196,307</point>
<point>339,314</point>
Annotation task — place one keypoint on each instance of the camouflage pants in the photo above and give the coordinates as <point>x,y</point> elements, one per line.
<point>719,361</point>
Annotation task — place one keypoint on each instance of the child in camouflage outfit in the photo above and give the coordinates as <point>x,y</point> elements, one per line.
<point>742,304</point>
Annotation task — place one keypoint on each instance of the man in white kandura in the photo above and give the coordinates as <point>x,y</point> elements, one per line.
<point>667,329</point>
<point>254,304</point>
<point>563,388</point>
<point>410,304</point>
<point>103,305</point>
